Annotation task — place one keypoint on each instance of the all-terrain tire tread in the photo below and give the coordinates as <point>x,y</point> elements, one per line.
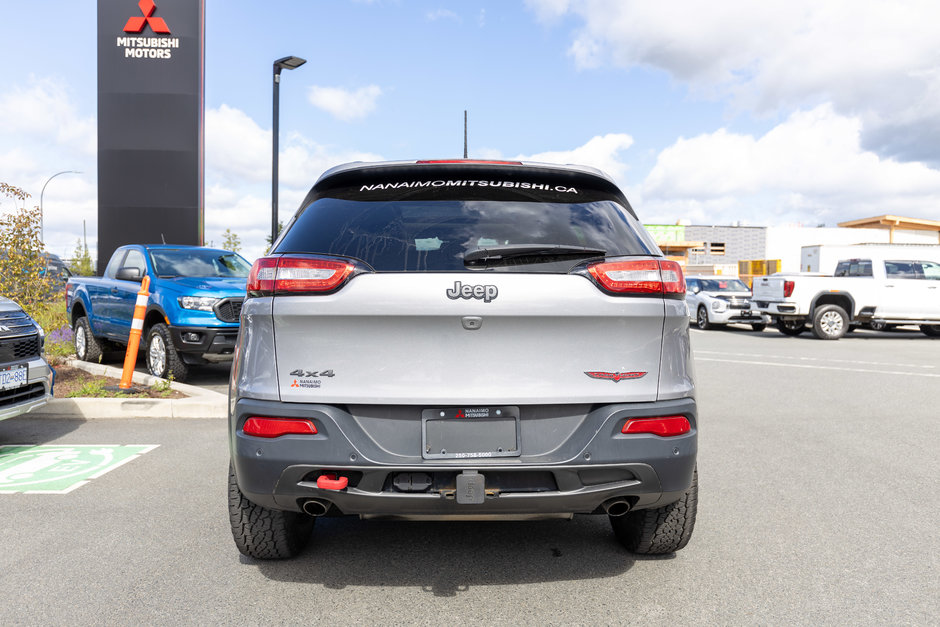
<point>819,330</point>
<point>662,530</point>
<point>93,350</point>
<point>175,366</point>
<point>264,533</point>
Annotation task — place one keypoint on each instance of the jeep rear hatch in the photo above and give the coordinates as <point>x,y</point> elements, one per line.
<point>441,285</point>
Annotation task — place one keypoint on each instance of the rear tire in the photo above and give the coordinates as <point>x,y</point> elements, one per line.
<point>162,359</point>
<point>262,533</point>
<point>791,327</point>
<point>830,322</point>
<point>87,348</point>
<point>760,326</point>
<point>701,318</point>
<point>662,530</point>
<point>930,330</point>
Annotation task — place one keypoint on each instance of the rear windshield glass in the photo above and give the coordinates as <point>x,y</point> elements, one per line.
<point>723,285</point>
<point>434,235</point>
<point>198,263</point>
<point>854,267</point>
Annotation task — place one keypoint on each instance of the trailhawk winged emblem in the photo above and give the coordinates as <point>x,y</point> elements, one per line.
<point>615,376</point>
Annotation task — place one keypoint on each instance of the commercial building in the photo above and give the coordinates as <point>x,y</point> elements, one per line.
<point>721,248</point>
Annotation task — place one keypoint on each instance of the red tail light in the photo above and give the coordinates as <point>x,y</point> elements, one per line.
<point>639,276</point>
<point>276,427</point>
<point>261,277</point>
<point>665,426</point>
<point>292,275</point>
<point>788,288</point>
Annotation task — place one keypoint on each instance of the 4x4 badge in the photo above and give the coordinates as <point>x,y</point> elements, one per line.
<point>615,376</point>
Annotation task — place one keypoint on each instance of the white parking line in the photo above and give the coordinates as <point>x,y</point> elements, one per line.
<point>825,359</point>
<point>811,367</point>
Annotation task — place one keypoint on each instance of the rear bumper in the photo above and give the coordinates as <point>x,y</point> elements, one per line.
<point>569,463</point>
<point>782,309</point>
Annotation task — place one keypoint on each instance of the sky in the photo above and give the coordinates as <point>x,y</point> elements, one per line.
<point>795,112</point>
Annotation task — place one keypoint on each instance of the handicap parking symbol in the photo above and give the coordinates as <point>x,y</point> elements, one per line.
<point>59,469</point>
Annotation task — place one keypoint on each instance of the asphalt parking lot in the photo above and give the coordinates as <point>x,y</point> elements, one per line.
<point>818,505</point>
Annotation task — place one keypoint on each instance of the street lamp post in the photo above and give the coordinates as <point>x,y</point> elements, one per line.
<point>41,215</point>
<point>288,63</point>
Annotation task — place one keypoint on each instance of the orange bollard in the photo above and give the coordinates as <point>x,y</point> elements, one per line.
<point>137,327</point>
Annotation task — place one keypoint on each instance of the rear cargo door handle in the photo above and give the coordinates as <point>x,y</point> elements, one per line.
<point>114,291</point>
<point>471,323</point>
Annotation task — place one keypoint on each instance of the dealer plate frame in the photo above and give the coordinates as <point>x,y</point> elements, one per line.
<point>502,439</point>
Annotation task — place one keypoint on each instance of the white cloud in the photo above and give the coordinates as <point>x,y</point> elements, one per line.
<point>344,104</point>
<point>42,133</point>
<point>43,111</point>
<point>237,149</point>
<point>812,168</point>
<point>876,60</point>
<point>602,152</point>
<point>238,176</point>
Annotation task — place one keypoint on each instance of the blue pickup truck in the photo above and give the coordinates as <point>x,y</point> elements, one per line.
<point>192,314</point>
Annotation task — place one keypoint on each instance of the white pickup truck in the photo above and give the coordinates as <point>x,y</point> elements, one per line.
<point>878,289</point>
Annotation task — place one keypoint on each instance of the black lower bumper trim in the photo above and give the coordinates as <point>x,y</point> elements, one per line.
<point>204,340</point>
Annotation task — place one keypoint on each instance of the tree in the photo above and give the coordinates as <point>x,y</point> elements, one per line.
<point>231,241</point>
<point>23,275</point>
<point>81,263</point>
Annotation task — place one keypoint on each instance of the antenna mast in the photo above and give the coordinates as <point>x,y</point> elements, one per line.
<point>464,133</point>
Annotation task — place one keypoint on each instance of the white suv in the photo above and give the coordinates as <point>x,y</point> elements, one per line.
<point>720,300</point>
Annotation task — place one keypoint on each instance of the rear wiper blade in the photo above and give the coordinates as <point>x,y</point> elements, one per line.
<point>509,251</point>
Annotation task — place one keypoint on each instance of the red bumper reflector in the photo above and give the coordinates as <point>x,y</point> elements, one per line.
<point>665,426</point>
<point>330,482</point>
<point>276,427</point>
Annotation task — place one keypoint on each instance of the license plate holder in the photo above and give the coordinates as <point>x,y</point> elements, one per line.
<point>470,432</point>
<point>14,376</point>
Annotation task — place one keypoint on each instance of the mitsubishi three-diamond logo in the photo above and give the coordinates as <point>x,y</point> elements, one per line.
<point>157,24</point>
<point>135,45</point>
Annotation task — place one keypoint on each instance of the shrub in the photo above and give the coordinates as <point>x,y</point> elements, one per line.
<point>23,276</point>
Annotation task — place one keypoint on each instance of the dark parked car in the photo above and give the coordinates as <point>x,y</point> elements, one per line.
<point>25,377</point>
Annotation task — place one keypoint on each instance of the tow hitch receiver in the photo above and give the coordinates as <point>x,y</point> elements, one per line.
<point>470,488</point>
<point>330,482</point>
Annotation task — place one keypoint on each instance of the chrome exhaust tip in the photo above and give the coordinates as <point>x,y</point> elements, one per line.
<point>616,507</point>
<point>315,507</point>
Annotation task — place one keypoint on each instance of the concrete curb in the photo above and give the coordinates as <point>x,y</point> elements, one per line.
<point>200,403</point>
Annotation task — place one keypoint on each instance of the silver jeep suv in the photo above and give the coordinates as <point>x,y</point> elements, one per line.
<point>463,339</point>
